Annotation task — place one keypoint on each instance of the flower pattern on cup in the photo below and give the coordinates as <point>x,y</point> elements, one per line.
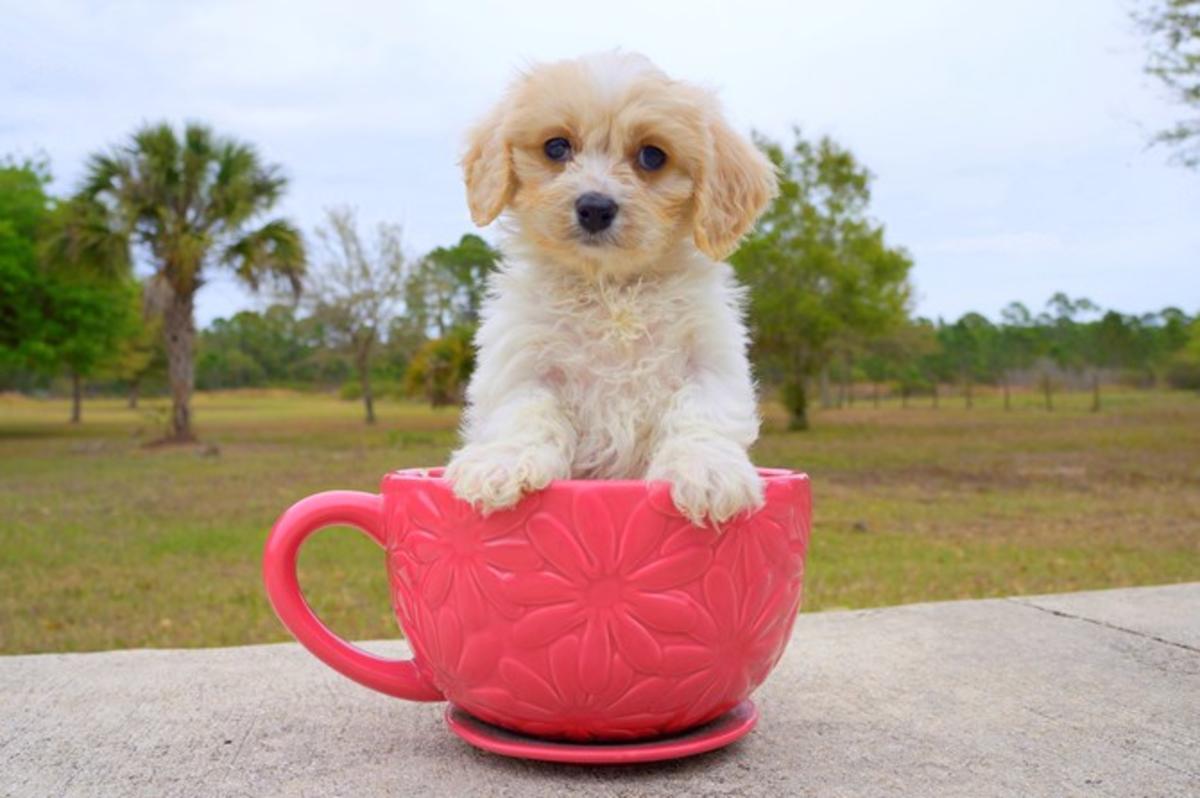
<point>739,636</point>
<point>556,706</point>
<point>463,554</point>
<point>455,657</point>
<point>617,593</point>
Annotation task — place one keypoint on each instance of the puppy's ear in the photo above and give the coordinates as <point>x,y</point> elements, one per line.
<point>736,183</point>
<point>487,168</point>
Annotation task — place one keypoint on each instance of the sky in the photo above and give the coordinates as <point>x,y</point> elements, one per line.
<point>1008,141</point>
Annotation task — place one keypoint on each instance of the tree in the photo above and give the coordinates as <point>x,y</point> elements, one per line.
<point>1184,369</point>
<point>969,345</point>
<point>845,350</point>
<point>441,368</point>
<point>1063,340</point>
<point>909,348</point>
<point>1157,338</point>
<point>934,363</point>
<point>1017,344</point>
<point>187,205</point>
<point>1172,28</point>
<point>355,291</point>
<point>1111,343</point>
<point>24,210</point>
<point>56,312</point>
<point>464,269</point>
<point>878,364</point>
<point>91,300</point>
<point>442,303</point>
<point>818,268</point>
<point>447,286</point>
<point>86,323</point>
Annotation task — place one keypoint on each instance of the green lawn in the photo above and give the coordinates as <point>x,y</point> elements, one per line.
<point>106,544</point>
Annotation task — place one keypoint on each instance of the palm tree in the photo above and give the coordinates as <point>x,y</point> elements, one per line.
<point>188,206</point>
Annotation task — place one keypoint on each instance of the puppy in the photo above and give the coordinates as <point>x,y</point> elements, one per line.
<point>611,344</point>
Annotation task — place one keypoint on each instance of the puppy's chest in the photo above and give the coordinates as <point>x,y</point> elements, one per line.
<point>616,343</point>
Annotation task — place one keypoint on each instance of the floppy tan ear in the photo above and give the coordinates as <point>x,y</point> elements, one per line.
<point>736,183</point>
<point>487,168</point>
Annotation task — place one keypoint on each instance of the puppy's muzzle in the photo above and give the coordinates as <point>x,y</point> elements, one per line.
<point>595,211</point>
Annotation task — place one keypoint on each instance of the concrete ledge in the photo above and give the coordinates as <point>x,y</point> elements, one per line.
<point>1082,694</point>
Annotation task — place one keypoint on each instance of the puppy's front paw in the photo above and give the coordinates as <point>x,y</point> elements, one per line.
<point>710,480</point>
<point>494,476</point>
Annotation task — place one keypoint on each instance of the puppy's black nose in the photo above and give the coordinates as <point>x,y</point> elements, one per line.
<point>595,211</point>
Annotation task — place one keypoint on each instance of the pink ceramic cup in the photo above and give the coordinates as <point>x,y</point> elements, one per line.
<point>591,611</point>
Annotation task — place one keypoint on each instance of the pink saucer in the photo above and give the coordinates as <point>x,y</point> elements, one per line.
<point>733,725</point>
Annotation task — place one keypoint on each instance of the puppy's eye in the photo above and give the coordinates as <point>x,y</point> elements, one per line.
<point>651,158</point>
<point>557,149</point>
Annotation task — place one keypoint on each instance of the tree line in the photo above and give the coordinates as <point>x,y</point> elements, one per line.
<point>1069,344</point>
<point>100,286</point>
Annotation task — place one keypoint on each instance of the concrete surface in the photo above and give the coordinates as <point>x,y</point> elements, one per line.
<point>1085,694</point>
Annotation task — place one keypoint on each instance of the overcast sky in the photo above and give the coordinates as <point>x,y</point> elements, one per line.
<point>1008,139</point>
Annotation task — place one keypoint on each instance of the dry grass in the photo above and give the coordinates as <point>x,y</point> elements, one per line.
<point>104,544</point>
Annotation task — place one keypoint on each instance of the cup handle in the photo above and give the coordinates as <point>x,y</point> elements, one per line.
<point>400,678</point>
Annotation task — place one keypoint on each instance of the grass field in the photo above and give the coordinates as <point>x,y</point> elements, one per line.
<point>106,544</point>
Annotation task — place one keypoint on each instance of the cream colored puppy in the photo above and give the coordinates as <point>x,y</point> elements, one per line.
<point>612,344</point>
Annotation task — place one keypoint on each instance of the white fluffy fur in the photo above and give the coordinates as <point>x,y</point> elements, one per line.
<point>614,366</point>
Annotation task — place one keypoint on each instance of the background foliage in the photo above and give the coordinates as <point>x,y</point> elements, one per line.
<point>828,295</point>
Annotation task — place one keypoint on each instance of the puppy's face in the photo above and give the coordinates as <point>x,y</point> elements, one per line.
<point>605,164</point>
